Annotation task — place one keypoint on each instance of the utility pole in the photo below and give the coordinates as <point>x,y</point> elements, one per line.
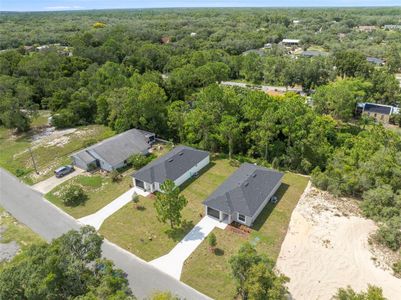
<point>33,160</point>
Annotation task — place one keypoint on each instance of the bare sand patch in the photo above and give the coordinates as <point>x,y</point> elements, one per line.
<point>327,248</point>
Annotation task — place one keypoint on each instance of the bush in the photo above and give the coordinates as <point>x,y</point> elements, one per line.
<point>115,176</point>
<point>74,196</point>
<point>389,234</point>
<point>397,268</point>
<point>212,240</point>
<point>21,172</point>
<point>138,160</point>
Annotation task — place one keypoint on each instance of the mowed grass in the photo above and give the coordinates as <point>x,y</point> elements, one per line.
<point>49,153</point>
<point>211,273</point>
<point>139,231</point>
<point>99,188</point>
<point>12,230</point>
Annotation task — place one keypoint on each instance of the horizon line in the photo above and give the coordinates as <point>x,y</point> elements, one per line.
<point>195,7</point>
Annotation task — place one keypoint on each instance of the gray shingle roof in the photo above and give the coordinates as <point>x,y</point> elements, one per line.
<point>118,148</point>
<point>245,190</point>
<point>172,165</point>
<point>85,157</point>
<point>377,108</point>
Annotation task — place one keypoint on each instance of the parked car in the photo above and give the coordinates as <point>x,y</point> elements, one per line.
<point>274,199</point>
<point>64,170</point>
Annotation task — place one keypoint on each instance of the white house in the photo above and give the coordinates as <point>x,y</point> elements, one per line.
<point>179,165</point>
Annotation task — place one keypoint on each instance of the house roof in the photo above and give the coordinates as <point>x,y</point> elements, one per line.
<point>292,41</point>
<point>85,156</point>
<point>245,190</point>
<point>375,60</point>
<point>310,53</point>
<point>118,148</point>
<point>378,108</point>
<point>172,165</point>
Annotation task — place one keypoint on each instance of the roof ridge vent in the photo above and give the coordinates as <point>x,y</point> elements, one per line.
<point>246,183</point>
<point>254,175</point>
<point>180,153</point>
<point>171,159</point>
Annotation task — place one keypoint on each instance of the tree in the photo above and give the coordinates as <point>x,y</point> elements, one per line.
<point>176,112</point>
<point>255,276</point>
<point>251,67</point>
<point>393,58</point>
<point>212,241</point>
<point>70,267</point>
<point>169,204</point>
<point>74,195</point>
<point>229,130</point>
<point>373,293</point>
<point>351,63</point>
<point>139,160</point>
<point>339,98</point>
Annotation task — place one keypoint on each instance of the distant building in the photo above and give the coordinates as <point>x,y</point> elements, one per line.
<point>375,60</point>
<point>312,53</point>
<point>43,48</point>
<point>367,28</point>
<point>295,22</point>
<point>267,46</point>
<point>392,27</point>
<point>380,112</point>
<point>193,34</point>
<point>290,42</point>
<point>165,40</point>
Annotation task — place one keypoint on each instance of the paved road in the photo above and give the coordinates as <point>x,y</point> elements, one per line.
<point>28,207</point>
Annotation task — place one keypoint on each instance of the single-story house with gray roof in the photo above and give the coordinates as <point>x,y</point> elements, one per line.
<point>113,153</point>
<point>242,197</point>
<point>179,165</point>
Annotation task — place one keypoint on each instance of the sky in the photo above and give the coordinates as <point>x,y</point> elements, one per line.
<point>55,5</point>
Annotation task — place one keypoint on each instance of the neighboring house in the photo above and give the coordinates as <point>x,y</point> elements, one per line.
<point>242,197</point>
<point>313,53</point>
<point>375,60</point>
<point>179,165</point>
<point>380,112</point>
<point>392,27</point>
<point>367,28</point>
<point>112,153</point>
<point>290,42</point>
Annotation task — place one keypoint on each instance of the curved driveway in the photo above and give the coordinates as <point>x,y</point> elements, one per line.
<point>29,207</point>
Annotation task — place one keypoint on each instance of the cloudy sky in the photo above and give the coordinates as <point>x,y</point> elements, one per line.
<point>40,5</point>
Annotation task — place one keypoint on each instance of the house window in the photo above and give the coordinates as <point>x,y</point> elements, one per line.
<point>241,218</point>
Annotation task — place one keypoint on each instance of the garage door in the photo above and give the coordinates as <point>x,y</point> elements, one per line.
<point>139,183</point>
<point>214,213</point>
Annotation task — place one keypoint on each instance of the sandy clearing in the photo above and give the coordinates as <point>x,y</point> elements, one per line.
<point>326,249</point>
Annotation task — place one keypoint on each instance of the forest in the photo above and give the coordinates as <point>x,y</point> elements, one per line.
<point>160,70</point>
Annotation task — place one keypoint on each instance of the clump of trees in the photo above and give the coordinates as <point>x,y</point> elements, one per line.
<point>70,267</point>
<point>372,293</point>
<point>139,160</point>
<point>169,204</point>
<point>255,276</point>
<point>74,195</point>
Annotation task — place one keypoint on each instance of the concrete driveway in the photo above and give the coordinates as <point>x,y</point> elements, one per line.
<point>47,185</point>
<point>173,262</point>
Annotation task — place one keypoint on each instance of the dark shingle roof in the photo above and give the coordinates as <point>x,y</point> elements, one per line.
<point>172,165</point>
<point>118,148</point>
<point>375,108</point>
<point>245,190</point>
<point>312,53</point>
<point>375,60</point>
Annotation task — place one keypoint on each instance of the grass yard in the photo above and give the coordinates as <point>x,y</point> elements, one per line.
<point>11,230</point>
<point>139,231</point>
<point>99,188</point>
<point>214,277</point>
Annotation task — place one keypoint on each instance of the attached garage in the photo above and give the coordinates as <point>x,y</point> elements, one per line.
<point>140,183</point>
<point>213,213</point>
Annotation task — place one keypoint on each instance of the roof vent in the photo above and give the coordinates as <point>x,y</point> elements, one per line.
<point>181,153</point>
<point>170,160</point>
<point>254,175</point>
<point>246,183</point>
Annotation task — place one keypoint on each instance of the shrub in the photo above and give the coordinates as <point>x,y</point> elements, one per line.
<point>74,195</point>
<point>138,160</point>
<point>397,268</point>
<point>21,172</point>
<point>389,234</point>
<point>115,176</point>
<point>212,240</point>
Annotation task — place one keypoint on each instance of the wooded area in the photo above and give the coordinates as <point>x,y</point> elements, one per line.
<point>159,70</point>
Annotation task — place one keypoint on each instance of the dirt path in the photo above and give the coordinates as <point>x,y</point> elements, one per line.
<point>326,248</point>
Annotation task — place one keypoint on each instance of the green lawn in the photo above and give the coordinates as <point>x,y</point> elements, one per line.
<point>213,278</point>
<point>99,188</point>
<point>14,231</point>
<point>139,231</point>
<point>49,155</point>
